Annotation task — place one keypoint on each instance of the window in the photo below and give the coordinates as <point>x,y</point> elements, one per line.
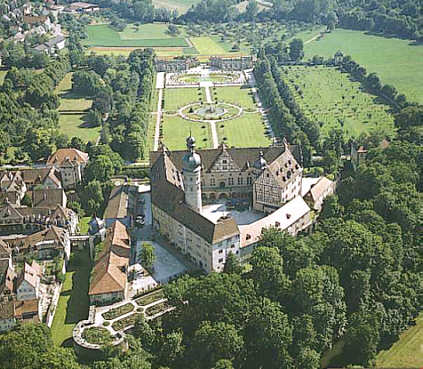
<point>225,167</point>
<point>212,182</point>
<point>249,180</point>
<point>220,251</point>
<point>224,161</point>
<point>221,260</point>
<point>239,180</point>
<point>231,181</point>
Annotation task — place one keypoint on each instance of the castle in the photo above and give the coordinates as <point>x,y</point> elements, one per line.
<point>270,179</point>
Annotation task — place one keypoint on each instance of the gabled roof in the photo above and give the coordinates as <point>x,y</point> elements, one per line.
<point>5,249</point>
<point>243,157</point>
<point>109,272</point>
<point>30,274</point>
<point>117,206</point>
<point>48,198</point>
<point>62,155</point>
<point>322,185</point>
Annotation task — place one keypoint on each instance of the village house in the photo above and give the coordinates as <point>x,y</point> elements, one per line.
<point>70,163</point>
<point>109,280</point>
<point>28,282</point>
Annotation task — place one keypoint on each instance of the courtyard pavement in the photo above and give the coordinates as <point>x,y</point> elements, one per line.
<point>215,211</point>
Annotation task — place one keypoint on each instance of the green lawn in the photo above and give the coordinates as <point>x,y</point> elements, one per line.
<point>245,131</point>
<point>328,96</point>
<point>394,60</point>
<point>207,46</point>
<point>150,136</point>
<point>74,125</point>
<point>407,351</point>
<point>83,225</point>
<point>145,31</point>
<point>72,112</point>
<point>178,97</point>
<point>176,130</point>
<point>148,36</point>
<point>236,95</point>
<point>73,301</point>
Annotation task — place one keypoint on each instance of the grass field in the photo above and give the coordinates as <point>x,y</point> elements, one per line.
<point>236,95</point>
<point>407,351</point>
<point>72,112</point>
<point>177,97</point>
<point>73,302</point>
<point>394,60</point>
<point>2,75</point>
<point>181,6</point>
<point>245,131</point>
<point>176,130</point>
<point>147,35</point>
<point>206,45</point>
<point>328,96</point>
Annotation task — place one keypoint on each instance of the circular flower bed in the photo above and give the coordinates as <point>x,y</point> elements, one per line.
<point>206,112</point>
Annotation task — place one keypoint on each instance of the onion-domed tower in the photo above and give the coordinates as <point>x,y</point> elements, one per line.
<point>191,171</point>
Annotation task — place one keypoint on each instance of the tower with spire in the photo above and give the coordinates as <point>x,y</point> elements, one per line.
<point>191,171</point>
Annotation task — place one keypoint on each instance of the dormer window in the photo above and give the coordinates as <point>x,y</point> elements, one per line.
<point>288,216</point>
<point>277,224</point>
<point>248,236</point>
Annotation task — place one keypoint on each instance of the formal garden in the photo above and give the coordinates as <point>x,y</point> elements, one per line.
<point>335,101</point>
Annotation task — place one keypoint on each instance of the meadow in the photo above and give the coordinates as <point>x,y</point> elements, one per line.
<point>206,45</point>
<point>397,62</point>
<point>72,113</point>
<point>328,96</point>
<point>245,131</point>
<point>177,129</point>
<point>147,35</point>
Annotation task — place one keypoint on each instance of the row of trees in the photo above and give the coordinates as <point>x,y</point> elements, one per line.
<point>285,115</point>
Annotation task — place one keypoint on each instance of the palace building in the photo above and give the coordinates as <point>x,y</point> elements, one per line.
<point>190,188</point>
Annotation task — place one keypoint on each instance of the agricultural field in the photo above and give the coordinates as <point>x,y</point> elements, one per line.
<point>328,96</point>
<point>236,95</point>
<point>72,110</point>
<point>146,35</point>
<point>396,61</point>
<point>407,351</point>
<point>176,98</point>
<point>245,131</point>
<point>177,129</point>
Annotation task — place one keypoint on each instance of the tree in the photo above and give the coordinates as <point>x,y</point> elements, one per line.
<point>223,364</point>
<point>215,341</point>
<point>362,338</point>
<point>251,10</point>
<point>23,348</point>
<point>100,168</point>
<point>296,49</point>
<point>267,273</point>
<point>232,264</point>
<point>148,256</point>
<point>92,197</point>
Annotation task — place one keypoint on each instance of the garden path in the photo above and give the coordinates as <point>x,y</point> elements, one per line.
<point>215,139</point>
<point>158,118</point>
